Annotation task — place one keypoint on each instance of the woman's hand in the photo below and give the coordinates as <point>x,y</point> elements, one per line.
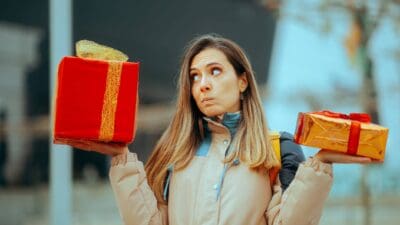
<point>327,156</point>
<point>100,147</point>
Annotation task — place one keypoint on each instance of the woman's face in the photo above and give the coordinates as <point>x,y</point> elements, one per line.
<point>215,86</point>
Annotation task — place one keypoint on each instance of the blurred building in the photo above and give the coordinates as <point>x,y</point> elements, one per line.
<point>151,32</point>
<point>18,54</point>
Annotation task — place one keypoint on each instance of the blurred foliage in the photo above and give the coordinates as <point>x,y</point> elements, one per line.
<point>322,14</point>
<point>364,17</point>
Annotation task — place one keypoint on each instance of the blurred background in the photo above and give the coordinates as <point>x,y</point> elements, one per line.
<point>341,55</point>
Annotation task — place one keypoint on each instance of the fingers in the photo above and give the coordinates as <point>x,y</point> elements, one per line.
<point>76,144</point>
<point>328,156</point>
<point>377,161</point>
<point>110,148</point>
<point>354,159</point>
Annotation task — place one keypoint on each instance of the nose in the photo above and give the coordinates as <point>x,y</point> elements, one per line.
<point>205,84</point>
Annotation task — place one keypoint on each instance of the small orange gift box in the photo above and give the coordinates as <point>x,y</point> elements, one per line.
<point>352,134</point>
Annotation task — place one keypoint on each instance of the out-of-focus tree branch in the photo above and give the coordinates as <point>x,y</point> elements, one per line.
<point>385,8</point>
<point>365,19</point>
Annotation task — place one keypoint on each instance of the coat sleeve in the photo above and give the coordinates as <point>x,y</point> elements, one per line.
<point>136,201</point>
<point>303,200</point>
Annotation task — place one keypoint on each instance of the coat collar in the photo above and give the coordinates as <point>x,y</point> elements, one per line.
<point>219,124</point>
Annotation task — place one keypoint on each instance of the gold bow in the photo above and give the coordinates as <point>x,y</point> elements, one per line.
<point>92,50</point>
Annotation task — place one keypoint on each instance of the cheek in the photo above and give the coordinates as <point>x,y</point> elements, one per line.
<point>231,94</point>
<point>230,89</point>
<point>233,97</point>
<point>195,93</point>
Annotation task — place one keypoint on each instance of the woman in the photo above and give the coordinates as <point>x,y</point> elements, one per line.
<point>212,163</point>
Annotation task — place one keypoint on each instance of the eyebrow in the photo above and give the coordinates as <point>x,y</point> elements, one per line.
<point>209,64</point>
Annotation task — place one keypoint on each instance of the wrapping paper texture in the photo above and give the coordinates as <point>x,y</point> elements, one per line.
<point>321,131</point>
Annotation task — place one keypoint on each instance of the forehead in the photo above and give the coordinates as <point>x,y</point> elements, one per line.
<point>207,56</point>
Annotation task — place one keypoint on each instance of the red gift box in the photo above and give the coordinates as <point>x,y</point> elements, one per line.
<point>95,100</point>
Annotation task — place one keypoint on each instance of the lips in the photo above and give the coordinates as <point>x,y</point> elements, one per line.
<point>204,100</point>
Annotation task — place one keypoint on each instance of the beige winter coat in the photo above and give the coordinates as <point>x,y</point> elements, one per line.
<point>245,197</point>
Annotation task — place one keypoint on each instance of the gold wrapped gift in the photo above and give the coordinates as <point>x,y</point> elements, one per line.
<point>352,134</point>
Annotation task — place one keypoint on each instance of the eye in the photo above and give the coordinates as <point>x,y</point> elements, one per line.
<point>194,77</point>
<point>215,71</point>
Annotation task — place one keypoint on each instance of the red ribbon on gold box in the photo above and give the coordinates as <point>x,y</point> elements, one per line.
<point>352,134</point>
<point>95,100</point>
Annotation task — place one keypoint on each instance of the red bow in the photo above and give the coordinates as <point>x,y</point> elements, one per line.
<point>355,127</point>
<point>361,117</point>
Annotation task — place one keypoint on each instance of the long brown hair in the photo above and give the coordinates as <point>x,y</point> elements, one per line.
<point>182,137</point>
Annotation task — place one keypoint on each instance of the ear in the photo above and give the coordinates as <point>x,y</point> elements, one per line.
<point>243,82</point>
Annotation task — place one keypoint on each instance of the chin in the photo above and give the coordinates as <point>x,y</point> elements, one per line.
<point>212,113</point>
